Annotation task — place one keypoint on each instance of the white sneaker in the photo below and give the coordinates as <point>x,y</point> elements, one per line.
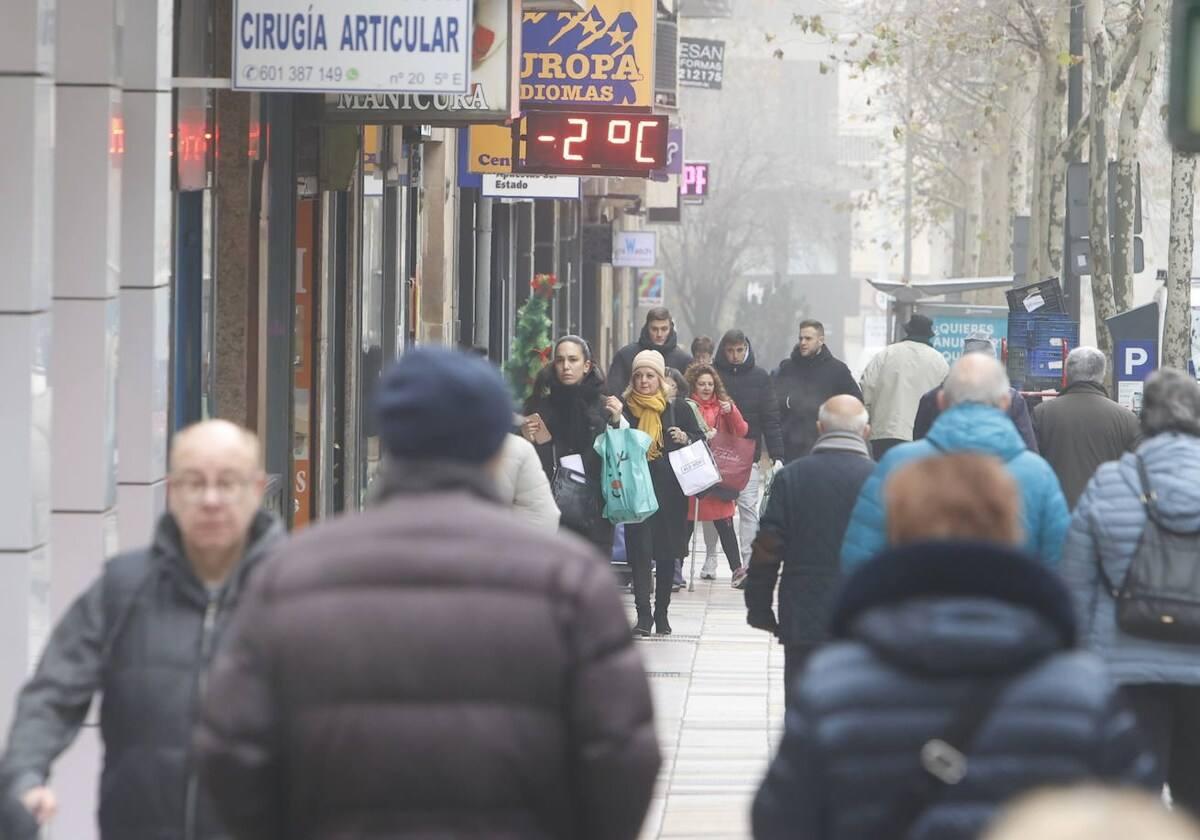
<point>709,571</point>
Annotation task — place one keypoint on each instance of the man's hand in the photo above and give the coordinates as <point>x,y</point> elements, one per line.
<point>41,803</point>
<point>763,620</point>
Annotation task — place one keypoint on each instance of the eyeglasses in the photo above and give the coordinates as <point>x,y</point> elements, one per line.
<point>193,490</point>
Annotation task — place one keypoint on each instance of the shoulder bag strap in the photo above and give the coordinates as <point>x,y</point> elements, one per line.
<point>1148,499</point>
<point>944,760</point>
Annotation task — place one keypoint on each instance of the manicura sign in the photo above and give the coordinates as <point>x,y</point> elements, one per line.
<point>602,56</point>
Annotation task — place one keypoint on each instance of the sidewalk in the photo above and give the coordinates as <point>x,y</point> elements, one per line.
<point>718,704</point>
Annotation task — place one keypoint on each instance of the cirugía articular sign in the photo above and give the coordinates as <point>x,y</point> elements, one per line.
<point>409,46</point>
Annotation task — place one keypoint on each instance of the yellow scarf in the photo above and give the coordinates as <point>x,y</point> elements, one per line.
<point>649,411</point>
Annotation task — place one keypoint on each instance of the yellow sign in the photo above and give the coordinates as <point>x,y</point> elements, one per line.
<point>602,56</point>
<point>489,148</point>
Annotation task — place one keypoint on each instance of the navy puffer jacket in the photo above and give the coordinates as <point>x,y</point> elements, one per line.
<point>918,628</point>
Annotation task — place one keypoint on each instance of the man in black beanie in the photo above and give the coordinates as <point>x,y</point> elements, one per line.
<point>431,666</point>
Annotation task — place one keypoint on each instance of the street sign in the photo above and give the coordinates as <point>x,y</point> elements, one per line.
<point>634,249</point>
<point>367,46</point>
<point>694,183</point>
<point>701,63</point>
<point>530,186</point>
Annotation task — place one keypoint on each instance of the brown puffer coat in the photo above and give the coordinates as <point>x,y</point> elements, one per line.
<point>430,668</point>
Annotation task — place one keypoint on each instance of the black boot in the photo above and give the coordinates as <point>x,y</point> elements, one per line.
<point>644,623</point>
<point>662,627</point>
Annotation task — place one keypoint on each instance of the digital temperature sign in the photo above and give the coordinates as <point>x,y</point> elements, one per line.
<point>591,143</point>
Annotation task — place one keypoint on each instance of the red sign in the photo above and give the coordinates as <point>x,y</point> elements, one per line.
<point>591,143</point>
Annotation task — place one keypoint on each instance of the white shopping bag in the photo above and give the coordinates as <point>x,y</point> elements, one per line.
<point>695,468</point>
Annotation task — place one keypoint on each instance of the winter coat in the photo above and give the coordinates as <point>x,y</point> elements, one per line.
<point>802,385</point>
<point>141,635</point>
<point>893,383</point>
<point>621,369</point>
<point>429,668</point>
<point>1018,410</point>
<point>1081,429</point>
<point>969,427</point>
<point>917,631</point>
<point>713,509</point>
<point>802,529</point>
<point>1107,525</point>
<point>672,504</point>
<point>521,483</point>
<point>574,425</point>
<point>752,388</point>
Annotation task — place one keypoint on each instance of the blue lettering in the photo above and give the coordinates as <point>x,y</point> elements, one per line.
<point>347,38</point>
<point>410,36</point>
<point>319,40</point>
<point>268,32</point>
<point>247,30</point>
<point>376,22</point>
<point>360,33</point>
<point>452,34</point>
<point>439,43</point>
<point>396,34</point>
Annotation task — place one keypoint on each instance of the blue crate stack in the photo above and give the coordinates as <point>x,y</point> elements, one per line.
<point>1036,338</point>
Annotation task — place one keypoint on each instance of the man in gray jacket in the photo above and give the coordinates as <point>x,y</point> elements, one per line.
<point>1082,428</point>
<point>142,635</point>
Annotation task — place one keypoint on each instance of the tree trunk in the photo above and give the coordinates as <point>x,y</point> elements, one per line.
<point>1128,135</point>
<point>1102,289</point>
<point>1177,328</point>
<point>1046,205</point>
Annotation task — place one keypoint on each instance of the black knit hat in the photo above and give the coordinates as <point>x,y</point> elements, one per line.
<point>442,404</point>
<point>918,326</point>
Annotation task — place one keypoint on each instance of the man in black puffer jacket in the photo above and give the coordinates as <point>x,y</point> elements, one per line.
<point>142,635</point>
<point>803,383</point>
<point>432,668</point>
<point>658,334</point>
<point>877,730</point>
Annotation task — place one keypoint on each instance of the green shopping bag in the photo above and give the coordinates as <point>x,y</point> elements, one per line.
<point>628,490</point>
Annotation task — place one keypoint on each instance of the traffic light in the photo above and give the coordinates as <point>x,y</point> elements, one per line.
<point>1183,119</point>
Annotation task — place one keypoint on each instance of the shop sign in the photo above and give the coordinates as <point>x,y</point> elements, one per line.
<point>531,186</point>
<point>1135,361</point>
<point>491,95</point>
<point>314,46</point>
<point>596,58</point>
<point>694,183</point>
<point>489,149</point>
<point>634,249</point>
<point>951,330</point>
<point>701,63</point>
<point>650,287</point>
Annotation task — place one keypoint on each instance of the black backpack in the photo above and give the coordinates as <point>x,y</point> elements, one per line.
<point>1160,596</point>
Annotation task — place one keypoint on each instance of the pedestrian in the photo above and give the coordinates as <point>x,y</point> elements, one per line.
<point>1082,428</point>
<point>658,335</point>
<point>952,684</point>
<point>1091,812</point>
<point>429,668</point>
<point>671,425</point>
<point>894,381</point>
<point>565,413</point>
<point>804,382</point>
<point>702,350</point>
<point>800,536</point>
<point>753,392</point>
<point>142,635</point>
<point>1160,677</point>
<point>974,400</point>
<point>1018,409</point>
<point>521,483</point>
<point>720,414</point>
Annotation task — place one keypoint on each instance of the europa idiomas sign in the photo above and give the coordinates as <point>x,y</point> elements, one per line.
<point>359,46</point>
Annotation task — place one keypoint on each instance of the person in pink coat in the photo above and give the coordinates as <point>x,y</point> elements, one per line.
<point>719,414</point>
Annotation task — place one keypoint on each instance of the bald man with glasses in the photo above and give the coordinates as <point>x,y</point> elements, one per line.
<point>142,636</point>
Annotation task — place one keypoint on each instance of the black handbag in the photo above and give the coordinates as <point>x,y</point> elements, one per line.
<point>577,497</point>
<point>1160,596</point>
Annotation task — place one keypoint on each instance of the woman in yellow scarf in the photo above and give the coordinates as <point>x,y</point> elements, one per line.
<point>671,425</point>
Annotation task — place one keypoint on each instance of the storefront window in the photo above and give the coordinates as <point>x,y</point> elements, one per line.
<point>371,316</point>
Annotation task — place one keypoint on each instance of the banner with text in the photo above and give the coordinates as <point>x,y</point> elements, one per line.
<point>319,46</point>
<point>701,63</point>
<point>602,56</point>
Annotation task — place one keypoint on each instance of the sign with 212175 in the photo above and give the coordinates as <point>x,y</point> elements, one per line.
<point>701,63</point>
<point>360,46</point>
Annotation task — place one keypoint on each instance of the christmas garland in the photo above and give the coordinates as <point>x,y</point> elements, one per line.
<point>532,344</point>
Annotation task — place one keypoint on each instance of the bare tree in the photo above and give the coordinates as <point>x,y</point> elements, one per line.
<point>1177,329</point>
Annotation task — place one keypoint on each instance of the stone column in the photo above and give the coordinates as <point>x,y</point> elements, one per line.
<point>26,274</point>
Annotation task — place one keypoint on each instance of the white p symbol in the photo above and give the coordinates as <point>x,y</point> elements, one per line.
<point>1135,357</point>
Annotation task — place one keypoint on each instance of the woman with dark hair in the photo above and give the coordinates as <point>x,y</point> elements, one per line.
<point>671,424</point>
<point>719,414</point>
<point>566,412</point>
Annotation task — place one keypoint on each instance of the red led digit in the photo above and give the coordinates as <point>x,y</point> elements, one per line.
<point>612,130</point>
<point>641,139</point>
<point>583,133</point>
